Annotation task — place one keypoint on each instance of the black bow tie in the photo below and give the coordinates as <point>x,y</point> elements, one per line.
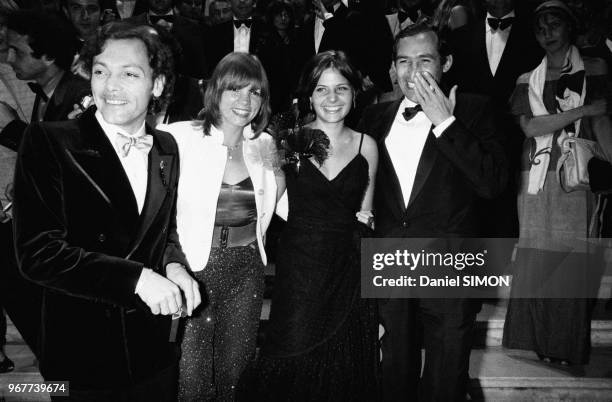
<point>246,22</point>
<point>412,13</point>
<point>410,112</point>
<point>37,89</point>
<point>500,23</point>
<point>156,18</point>
<point>573,82</point>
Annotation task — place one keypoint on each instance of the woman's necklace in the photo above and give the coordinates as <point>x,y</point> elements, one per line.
<point>231,149</point>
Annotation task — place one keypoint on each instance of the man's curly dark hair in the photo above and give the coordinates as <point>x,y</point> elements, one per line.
<point>159,54</point>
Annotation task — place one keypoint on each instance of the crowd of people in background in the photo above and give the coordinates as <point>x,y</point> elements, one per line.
<point>491,89</point>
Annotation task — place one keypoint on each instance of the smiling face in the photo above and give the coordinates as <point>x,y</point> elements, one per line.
<point>84,16</point>
<point>418,54</point>
<point>122,83</point>
<point>239,106</point>
<point>332,97</point>
<point>552,33</point>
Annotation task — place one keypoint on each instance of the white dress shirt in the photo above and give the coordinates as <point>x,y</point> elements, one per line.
<point>242,38</point>
<point>135,163</point>
<point>496,42</point>
<point>405,144</point>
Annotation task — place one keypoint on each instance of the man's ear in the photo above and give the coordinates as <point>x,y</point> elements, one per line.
<point>47,60</point>
<point>158,86</point>
<point>448,63</point>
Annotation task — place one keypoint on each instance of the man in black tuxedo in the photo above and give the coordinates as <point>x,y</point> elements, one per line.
<point>188,34</point>
<point>244,33</point>
<point>489,56</point>
<point>438,154</point>
<point>94,218</point>
<point>366,40</point>
<point>41,48</point>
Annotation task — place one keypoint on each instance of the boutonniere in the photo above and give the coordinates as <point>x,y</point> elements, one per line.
<point>162,172</point>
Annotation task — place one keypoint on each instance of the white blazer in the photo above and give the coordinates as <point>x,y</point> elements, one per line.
<point>202,164</point>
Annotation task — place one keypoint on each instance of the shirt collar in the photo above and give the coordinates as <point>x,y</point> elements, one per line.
<point>336,7</point>
<point>111,130</point>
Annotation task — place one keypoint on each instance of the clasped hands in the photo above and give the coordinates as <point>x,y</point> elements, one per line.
<point>436,106</point>
<point>163,294</point>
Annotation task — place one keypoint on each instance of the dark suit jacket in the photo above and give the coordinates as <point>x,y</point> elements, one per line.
<point>188,34</point>
<point>78,233</point>
<point>366,40</point>
<point>471,69</point>
<point>70,90</point>
<point>465,162</point>
<point>222,41</point>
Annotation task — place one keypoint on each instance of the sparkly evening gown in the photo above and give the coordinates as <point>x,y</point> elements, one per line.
<point>321,341</point>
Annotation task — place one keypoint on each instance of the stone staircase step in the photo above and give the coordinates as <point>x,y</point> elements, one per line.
<point>490,325</point>
<point>512,375</point>
<point>26,371</point>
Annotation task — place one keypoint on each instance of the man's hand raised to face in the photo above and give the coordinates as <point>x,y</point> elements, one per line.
<point>436,106</point>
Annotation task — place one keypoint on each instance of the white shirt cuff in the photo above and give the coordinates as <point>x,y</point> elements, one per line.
<point>440,128</point>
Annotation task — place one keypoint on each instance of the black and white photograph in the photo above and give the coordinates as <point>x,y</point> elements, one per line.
<point>305,200</point>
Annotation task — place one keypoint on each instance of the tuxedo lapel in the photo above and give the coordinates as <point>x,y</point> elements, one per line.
<point>510,54</point>
<point>426,163</point>
<point>160,171</point>
<point>56,100</point>
<point>480,39</point>
<point>391,182</point>
<point>98,162</point>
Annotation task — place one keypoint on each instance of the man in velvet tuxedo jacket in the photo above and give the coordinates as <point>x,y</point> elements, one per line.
<point>94,218</point>
<point>438,154</point>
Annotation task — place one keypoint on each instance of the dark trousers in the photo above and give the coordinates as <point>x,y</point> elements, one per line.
<point>444,328</point>
<point>159,388</point>
<point>21,299</point>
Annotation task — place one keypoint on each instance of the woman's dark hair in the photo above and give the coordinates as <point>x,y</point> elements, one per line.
<point>275,8</point>
<point>236,71</point>
<point>311,74</point>
<point>160,56</point>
